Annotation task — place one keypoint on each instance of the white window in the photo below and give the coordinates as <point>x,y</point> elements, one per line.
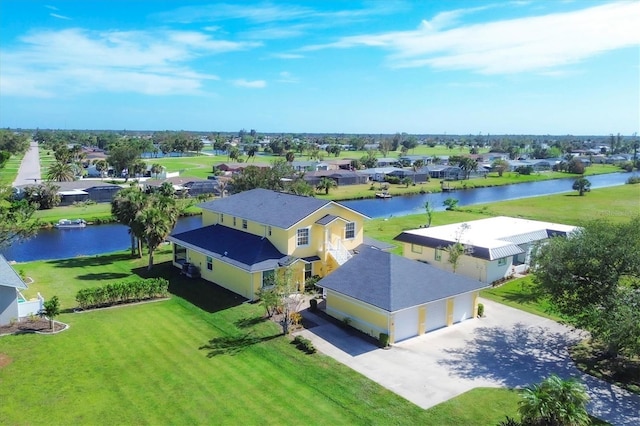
<point>269,231</point>
<point>303,237</point>
<point>350,230</point>
<point>209,263</point>
<point>221,217</point>
<point>268,278</point>
<point>416,248</point>
<point>438,254</point>
<point>244,223</point>
<point>308,270</point>
<point>234,221</point>
<point>502,261</point>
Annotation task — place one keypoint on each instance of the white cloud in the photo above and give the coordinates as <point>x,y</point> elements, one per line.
<point>48,6</point>
<point>287,77</point>
<point>251,84</point>
<point>75,60</point>
<point>539,43</point>
<point>288,55</point>
<point>55,15</point>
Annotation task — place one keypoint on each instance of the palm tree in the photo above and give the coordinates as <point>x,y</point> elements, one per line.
<point>555,402</point>
<point>156,169</point>
<point>326,184</point>
<point>101,166</point>
<point>61,172</point>
<point>156,221</point>
<point>126,205</point>
<point>582,185</point>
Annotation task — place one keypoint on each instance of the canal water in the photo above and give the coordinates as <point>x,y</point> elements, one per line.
<point>99,239</point>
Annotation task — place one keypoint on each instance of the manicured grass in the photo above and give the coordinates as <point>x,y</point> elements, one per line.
<point>9,172</point>
<point>200,357</point>
<point>519,294</point>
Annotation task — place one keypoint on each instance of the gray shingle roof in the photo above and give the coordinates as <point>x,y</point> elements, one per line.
<point>393,282</point>
<point>268,207</point>
<point>246,251</point>
<point>8,276</point>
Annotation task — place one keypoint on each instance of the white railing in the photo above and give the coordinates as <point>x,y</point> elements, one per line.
<point>339,252</point>
<point>30,307</point>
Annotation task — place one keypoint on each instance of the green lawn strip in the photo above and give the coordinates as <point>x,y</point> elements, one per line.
<point>616,203</point>
<point>519,294</point>
<point>9,172</point>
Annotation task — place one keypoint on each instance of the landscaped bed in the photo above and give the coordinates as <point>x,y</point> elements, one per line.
<point>32,325</point>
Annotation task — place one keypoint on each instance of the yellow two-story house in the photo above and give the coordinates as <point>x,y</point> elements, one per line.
<point>247,237</point>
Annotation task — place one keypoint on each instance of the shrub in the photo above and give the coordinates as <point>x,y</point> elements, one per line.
<point>346,322</point>
<point>304,345</point>
<point>383,340</point>
<point>480,310</point>
<point>313,305</point>
<point>123,292</point>
<point>310,284</point>
<point>392,179</point>
<point>633,180</point>
<point>524,170</point>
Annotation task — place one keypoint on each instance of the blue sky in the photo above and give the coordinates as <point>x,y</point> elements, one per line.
<point>456,67</point>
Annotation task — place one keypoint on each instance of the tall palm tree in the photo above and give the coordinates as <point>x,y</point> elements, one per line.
<point>555,402</point>
<point>126,205</point>
<point>101,166</point>
<point>61,172</point>
<point>156,169</point>
<point>156,221</point>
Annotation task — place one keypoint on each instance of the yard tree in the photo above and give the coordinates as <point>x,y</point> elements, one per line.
<point>326,184</point>
<point>156,221</point>
<point>51,309</point>
<point>126,205</point>
<point>44,196</point>
<point>450,203</point>
<point>406,181</point>
<point>61,171</point>
<point>581,185</point>
<point>282,298</point>
<point>16,218</point>
<point>156,169</point>
<point>500,166</point>
<point>555,402</point>
<point>428,207</point>
<point>457,249</point>
<point>587,274</point>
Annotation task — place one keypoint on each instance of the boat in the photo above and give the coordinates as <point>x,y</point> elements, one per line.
<point>70,224</point>
<point>383,195</point>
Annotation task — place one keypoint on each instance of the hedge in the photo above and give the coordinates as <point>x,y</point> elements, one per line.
<point>122,292</point>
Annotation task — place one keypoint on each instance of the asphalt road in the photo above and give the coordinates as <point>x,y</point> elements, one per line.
<point>29,171</point>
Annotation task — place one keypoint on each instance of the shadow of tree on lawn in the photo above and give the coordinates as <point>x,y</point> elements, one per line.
<point>249,322</point>
<point>103,276</point>
<point>83,262</point>
<point>233,345</point>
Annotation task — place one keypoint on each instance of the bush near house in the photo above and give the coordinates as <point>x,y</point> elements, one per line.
<point>304,345</point>
<point>123,292</point>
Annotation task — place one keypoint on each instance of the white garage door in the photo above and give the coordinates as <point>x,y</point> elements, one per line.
<point>462,307</point>
<point>406,324</point>
<point>436,315</point>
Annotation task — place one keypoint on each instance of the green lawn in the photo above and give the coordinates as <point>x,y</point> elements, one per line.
<point>9,172</point>
<point>200,357</point>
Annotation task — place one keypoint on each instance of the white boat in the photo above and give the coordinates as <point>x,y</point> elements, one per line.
<point>68,224</point>
<point>383,194</point>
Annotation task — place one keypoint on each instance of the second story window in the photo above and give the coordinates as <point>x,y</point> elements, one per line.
<point>234,221</point>
<point>303,237</point>
<point>244,223</point>
<point>350,230</point>
<point>221,217</point>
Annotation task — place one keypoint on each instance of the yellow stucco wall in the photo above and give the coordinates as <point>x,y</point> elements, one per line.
<point>365,318</point>
<point>225,275</point>
<point>468,266</point>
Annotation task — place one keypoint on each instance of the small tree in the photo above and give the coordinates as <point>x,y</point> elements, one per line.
<point>326,184</point>
<point>582,185</point>
<point>406,181</point>
<point>457,249</point>
<point>429,210</point>
<point>450,203</point>
<point>51,309</point>
<point>283,297</point>
<point>500,166</point>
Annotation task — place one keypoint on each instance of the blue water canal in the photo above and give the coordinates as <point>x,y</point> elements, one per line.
<point>99,239</point>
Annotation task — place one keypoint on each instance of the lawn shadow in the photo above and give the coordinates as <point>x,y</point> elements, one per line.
<point>233,345</point>
<point>103,276</point>
<point>86,261</point>
<point>514,357</point>
<point>249,322</point>
<point>207,296</point>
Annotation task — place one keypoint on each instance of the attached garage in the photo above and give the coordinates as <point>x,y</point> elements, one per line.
<point>405,324</point>
<point>412,296</point>
<point>463,307</point>
<point>436,315</point>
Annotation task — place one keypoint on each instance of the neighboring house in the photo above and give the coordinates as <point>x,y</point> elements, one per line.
<point>12,304</point>
<point>341,177</point>
<point>247,237</point>
<point>445,172</point>
<point>387,162</point>
<point>238,167</point>
<point>82,190</point>
<point>494,248</point>
<point>188,186</point>
<point>379,292</point>
<point>377,174</point>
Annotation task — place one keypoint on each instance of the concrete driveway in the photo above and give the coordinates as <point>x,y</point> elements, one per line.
<point>507,348</point>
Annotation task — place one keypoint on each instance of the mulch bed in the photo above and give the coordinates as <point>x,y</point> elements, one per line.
<point>31,325</point>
